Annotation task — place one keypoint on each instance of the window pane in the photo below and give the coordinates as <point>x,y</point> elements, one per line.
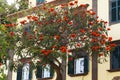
<point>46,71</point>
<point>114,4</point>
<point>79,65</point>
<point>25,72</point>
<point>118,13</point>
<point>116,58</point>
<point>118,2</point>
<point>114,14</point>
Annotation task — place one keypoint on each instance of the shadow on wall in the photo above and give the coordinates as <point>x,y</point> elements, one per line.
<point>116,78</point>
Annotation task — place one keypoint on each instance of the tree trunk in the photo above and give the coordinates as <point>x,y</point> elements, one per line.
<point>9,76</point>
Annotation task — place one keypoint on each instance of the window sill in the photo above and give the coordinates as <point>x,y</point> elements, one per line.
<point>114,70</point>
<point>73,75</point>
<point>44,78</point>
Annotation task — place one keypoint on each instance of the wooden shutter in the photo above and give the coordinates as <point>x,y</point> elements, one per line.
<point>70,66</point>
<point>30,73</point>
<point>19,73</point>
<point>86,64</point>
<point>39,72</point>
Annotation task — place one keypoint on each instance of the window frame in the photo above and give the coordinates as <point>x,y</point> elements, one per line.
<point>111,69</point>
<point>78,54</point>
<point>110,12</point>
<point>40,75</point>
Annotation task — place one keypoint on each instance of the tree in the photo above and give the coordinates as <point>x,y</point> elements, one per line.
<point>53,34</point>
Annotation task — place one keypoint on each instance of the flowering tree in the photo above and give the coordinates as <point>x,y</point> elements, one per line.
<point>51,34</point>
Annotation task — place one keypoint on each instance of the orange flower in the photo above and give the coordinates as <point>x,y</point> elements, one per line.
<point>46,52</point>
<point>69,50</point>
<point>63,49</point>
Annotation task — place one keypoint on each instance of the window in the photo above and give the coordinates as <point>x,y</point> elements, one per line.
<point>78,66</point>
<point>115,10</point>
<point>115,58</point>
<point>24,72</point>
<point>44,71</point>
<point>40,1</point>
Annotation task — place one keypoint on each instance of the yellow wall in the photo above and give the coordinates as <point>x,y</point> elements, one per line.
<point>103,74</point>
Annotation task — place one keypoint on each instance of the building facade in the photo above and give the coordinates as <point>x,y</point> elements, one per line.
<point>84,69</point>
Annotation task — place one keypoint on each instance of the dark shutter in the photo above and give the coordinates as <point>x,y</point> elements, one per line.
<point>70,66</point>
<point>86,66</point>
<point>39,72</point>
<point>30,73</point>
<point>19,73</point>
<point>51,71</point>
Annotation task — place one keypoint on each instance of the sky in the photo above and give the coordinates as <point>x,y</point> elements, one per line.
<point>10,1</point>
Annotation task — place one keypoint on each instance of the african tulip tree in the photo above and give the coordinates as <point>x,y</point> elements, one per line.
<point>53,33</point>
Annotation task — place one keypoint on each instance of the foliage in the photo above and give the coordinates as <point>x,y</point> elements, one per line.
<point>52,33</point>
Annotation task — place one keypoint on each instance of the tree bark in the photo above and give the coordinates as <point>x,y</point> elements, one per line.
<point>9,76</point>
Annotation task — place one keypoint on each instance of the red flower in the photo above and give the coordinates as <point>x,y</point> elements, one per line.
<point>101,54</point>
<point>0,64</point>
<point>54,46</point>
<point>108,48</point>
<point>51,9</point>
<point>41,37</point>
<point>70,58</point>
<point>12,34</point>
<point>63,49</point>
<point>23,22</point>
<point>110,39</point>
<point>65,18</point>
<point>70,22</point>
<point>82,30</point>
<point>46,52</point>
<point>29,17</point>
<point>57,37</point>
<point>73,35</point>
<point>25,33</point>
<point>78,44</point>
<point>83,5</point>
<point>71,3</point>
<point>108,29</point>
<point>76,1</point>
<point>113,45</point>
<point>35,18</point>
<point>69,50</point>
